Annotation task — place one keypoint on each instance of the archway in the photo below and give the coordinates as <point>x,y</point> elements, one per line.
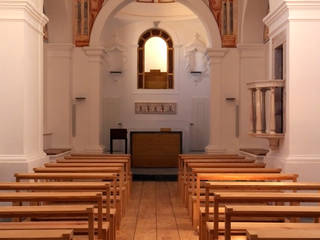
<point>198,7</point>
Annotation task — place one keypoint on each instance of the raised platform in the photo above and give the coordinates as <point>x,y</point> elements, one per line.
<point>155,174</point>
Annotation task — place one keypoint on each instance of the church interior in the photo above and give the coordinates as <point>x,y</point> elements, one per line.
<point>159,120</point>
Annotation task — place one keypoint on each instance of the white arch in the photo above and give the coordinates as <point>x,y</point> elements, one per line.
<point>197,6</point>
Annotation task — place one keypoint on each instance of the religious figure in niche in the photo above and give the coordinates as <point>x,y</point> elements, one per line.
<point>216,7</point>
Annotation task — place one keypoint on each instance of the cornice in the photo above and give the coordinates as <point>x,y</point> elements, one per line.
<point>23,10</point>
<point>290,11</point>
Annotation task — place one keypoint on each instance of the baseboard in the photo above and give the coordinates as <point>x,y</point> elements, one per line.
<point>11,164</point>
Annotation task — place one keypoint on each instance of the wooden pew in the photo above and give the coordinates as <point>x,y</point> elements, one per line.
<point>284,234</point>
<point>112,177</point>
<point>83,162</point>
<point>102,157</point>
<point>85,211</point>
<point>246,186</point>
<point>233,177</point>
<point>267,211</point>
<point>191,183</point>
<point>36,235</point>
<point>184,162</point>
<point>183,157</point>
<point>64,197</point>
<point>119,170</point>
<point>103,187</point>
<point>194,171</point>
<point>188,166</point>
<point>256,197</point>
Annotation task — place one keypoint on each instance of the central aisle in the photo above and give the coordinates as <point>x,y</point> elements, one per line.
<point>155,212</point>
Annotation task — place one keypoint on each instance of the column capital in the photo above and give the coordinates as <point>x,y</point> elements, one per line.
<point>95,54</point>
<point>215,55</point>
<point>23,10</point>
<point>216,52</point>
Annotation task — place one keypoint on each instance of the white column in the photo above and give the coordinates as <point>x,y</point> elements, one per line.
<point>21,86</point>
<point>299,152</point>
<point>94,99</point>
<point>259,108</point>
<point>216,129</point>
<point>252,124</point>
<point>272,116</point>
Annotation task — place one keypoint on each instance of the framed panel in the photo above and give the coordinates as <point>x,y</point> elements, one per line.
<point>156,108</point>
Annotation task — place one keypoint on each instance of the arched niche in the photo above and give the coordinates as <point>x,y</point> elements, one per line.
<point>198,7</point>
<point>252,29</point>
<point>165,79</point>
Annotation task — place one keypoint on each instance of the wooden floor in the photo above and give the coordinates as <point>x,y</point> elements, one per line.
<point>155,212</point>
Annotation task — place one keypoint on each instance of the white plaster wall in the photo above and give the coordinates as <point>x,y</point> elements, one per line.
<point>81,82</point>
<point>274,4</point>
<point>230,89</point>
<point>58,95</point>
<point>125,87</point>
<point>253,65</point>
<point>58,74</point>
<point>253,26</point>
<point>252,69</point>
<point>60,15</point>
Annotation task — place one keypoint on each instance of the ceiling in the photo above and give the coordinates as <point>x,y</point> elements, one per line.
<point>155,11</point>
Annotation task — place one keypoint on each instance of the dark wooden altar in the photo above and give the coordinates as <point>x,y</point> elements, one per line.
<point>155,149</point>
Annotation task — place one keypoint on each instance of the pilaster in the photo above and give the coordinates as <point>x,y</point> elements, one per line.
<point>58,82</point>
<point>215,138</point>
<point>297,21</point>
<point>21,86</point>
<point>94,99</point>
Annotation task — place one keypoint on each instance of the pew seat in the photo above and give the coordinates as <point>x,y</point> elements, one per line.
<point>79,227</point>
<point>36,235</point>
<point>283,234</point>
<point>240,228</point>
<point>52,211</point>
<point>266,211</point>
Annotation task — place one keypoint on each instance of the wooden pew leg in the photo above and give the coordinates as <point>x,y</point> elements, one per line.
<point>202,227</point>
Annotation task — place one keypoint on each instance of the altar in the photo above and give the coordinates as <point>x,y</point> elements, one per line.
<point>155,149</point>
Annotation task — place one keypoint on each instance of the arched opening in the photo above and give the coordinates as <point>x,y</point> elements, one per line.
<point>199,8</point>
<point>155,60</point>
<point>156,55</point>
